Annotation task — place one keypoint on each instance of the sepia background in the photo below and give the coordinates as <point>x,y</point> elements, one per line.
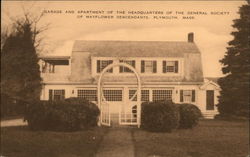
<point>211,32</point>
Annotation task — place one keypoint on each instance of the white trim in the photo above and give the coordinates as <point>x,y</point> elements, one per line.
<point>123,83</point>
<point>204,86</point>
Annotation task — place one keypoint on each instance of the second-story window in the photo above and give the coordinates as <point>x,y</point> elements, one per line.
<point>170,66</point>
<point>148,66</point>
<point>125,69</point>
<point>101,64</point>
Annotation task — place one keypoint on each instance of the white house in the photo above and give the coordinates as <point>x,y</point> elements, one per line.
<point>114,74</point>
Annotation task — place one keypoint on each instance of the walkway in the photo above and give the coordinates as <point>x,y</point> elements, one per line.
<point>13,122</point>
<point>117,143</point>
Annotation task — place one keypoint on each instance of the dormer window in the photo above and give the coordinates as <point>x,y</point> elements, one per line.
<point>148,66</point>
<point>170,66</point>
<point>125,69</point>
<point>101,64</point>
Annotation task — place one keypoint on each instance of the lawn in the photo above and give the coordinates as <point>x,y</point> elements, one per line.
<point>212,138</point>
<point>21,142</point>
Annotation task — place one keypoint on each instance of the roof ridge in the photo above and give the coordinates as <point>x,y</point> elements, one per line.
<point>135,41</point>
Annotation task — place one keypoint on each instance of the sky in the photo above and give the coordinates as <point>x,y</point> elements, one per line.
<point>211,32</point>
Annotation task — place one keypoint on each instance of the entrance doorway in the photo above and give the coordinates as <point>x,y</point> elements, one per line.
<point>116,104</point>
<point>119,108</point>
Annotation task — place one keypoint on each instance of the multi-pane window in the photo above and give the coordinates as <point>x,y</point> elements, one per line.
<point>170,66</point>
<point>113,95</point>
<point>90,95</point>
<point>131,94</point>
<point>101,64</point>
<point>56,94</point>
<point>145,95</point>
<point>148,66</point>
<point>187,96</point>
<point>161,95</point>
<point>125,69</point>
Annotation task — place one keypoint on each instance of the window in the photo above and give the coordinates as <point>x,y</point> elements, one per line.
<point>148,66</point>
<point>56,94</point>
<point>160,95</point>
<point>90,95</point>
<point>187,96</point>
<point>125,69</point>
<point>101,64</point>
<point>170,66</point>
<point>145,95</point>
<point>113,95</point>
<point>131,94</point>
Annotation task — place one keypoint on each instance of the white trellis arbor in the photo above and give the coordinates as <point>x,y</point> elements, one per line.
<point>104,105</point>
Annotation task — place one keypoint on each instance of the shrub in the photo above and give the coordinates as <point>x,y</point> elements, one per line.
<point>159,116</point>
<point>11,107</point>
<point>64,115</point>
<point>189,115</point>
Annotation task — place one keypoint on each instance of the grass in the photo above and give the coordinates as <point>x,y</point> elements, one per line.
<point>11,117</point>
<point>211,138</point>
<point>21,142</point>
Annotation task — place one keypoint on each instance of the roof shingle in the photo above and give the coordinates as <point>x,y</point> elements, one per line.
<point>135,48</point>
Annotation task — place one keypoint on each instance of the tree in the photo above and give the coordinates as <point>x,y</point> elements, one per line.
<point>20,74</point>
<point>234,95</point>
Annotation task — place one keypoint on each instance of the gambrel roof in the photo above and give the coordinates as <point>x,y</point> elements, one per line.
<point>135,48</point>
<point>83,51</point>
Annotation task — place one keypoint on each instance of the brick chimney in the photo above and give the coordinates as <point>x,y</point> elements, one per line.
<point>191,37</point>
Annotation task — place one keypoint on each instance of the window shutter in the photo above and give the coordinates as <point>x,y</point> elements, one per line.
<point>193,95</point>
<point>133,63</point>
<point>63,94</point>
<point>181,95</point>
<point>176,67</point>
<point>98,66</point>
<point>50,94</point>
<point>142,66</point>
<point>164,66</point>
<point>154,67</point>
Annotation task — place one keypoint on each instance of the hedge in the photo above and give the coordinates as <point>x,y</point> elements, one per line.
<point>159,116</point>
<point>189,115</point>
<point>64,115</point>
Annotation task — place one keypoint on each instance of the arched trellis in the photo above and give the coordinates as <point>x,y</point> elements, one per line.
<point>100,96</point>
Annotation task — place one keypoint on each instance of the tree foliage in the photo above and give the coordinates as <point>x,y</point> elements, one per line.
<point>20,75</point>
<point>234,96</point>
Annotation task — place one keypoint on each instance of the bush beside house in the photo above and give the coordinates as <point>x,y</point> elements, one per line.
<point>166,116</point>
<point>64,115</point>
<point>189,115</point>
<point>159,116</point>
